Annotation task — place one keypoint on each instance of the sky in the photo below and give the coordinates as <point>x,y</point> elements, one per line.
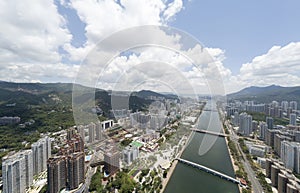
<point>252,43</point>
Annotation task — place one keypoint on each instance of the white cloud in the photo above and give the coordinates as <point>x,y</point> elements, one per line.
<point>34,34</point>
<point>102,18</point>
<point>164,67</point>
<point>280,65</point>
<point>173,8</point>
<point>30,39</point>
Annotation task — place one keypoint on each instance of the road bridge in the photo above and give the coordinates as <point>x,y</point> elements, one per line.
<point>209,132</point>
<point>209,170</point>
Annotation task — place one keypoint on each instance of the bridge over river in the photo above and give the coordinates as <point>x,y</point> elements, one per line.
<point>209,170</point>
<point>209,132</point>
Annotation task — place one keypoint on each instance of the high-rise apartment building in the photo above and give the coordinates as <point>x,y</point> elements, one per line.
<point>92,132</point>
<point>290,155</point>
<point>98,131</point>
<point>67,170</point>
<point>293,118</point>
<point>111,161</point>
<point>262,130</point>
<point>236,118</point>
<point>284,105</point>
<point>17,172</point>
<point>293,105</point>
<point>41,151</point>
<point>157,121</point>
<point>269,121</point>
<point>81,131</point>
<point>56,174</point>
<point>245,124</point>
<point>75,168</point>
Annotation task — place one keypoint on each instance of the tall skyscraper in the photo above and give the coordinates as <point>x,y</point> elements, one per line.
<point>67,170</point>
<point>28,167</point>
<point>98,131</point>
<point>269,121</point>
<point>293,105</point>
<point>288,154</point>
<point>75,144</point>
<point>236,118</point>
<point>111,161</point>
<point>92,131</point>
<point>75,168</point>
<point>139,119</point>
<point>70,133</point>
<point>157,121</point>
<point>56,174</point>
<point>254,125</point>
<point>284,105</point>
<point>81,131</point>
<point>270,136</point>
<point>17,172</point>
<point>262,130</point>
<point>293,118</point>
<point>41,151</point>
<point>245,124</point>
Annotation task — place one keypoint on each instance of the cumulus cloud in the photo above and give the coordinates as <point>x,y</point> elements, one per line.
<point>37,39</point>
<point>280,65</point>
<point>164,67</point>
<point>35,45</point>
<point>30,39</point>
<point>173,8</point>
<point>103,18</point>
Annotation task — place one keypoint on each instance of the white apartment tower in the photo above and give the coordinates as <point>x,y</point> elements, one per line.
<point>41,151</point>
<point>17,172</point>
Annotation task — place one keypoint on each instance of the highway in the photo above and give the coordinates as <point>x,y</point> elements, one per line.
<point>256,187</point>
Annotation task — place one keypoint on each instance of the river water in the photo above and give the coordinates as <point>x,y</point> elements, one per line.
<point>207,150</point>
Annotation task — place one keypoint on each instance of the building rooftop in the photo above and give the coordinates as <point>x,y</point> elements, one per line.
<point>136,144</point>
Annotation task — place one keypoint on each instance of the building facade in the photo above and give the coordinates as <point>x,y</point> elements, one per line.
<point>17,172</point>
<point>41,151</point>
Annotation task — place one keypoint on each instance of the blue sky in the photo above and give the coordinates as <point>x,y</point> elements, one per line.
<point>252,42</point>
<point>244,29</point>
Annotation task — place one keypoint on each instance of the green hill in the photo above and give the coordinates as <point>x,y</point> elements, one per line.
<point>267,94</point>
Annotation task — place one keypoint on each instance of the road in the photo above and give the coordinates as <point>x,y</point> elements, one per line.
<point>256,187</point>
<point>90,172</point>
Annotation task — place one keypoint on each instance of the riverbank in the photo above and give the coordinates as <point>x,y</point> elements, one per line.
<point>190,180</point>
<point>235,167</point>
<point>174,163</point>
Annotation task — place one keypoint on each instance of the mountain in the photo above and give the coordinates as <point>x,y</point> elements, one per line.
<point>148,94</point>
<point>49,107</point>
<point>53,94</point>
<point>267,94</point>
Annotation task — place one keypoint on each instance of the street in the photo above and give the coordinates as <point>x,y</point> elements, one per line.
<point>256,187</point>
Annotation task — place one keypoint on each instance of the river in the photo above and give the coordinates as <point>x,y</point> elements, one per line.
<point>213,153</point>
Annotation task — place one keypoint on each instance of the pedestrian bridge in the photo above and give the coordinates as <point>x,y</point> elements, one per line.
<point>209,170</point>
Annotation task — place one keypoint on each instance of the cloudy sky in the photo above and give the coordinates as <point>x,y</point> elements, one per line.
<point>252,43</point>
